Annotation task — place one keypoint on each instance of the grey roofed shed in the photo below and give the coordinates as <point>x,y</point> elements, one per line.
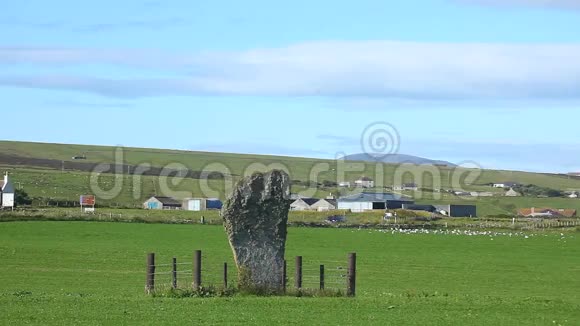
<point>310,201</point>
<point>331,202</point>
<point>372,201</point>
<point>168,201</point>
<point>371,197</point>
<point>458,210</point>
<point>426,208</point>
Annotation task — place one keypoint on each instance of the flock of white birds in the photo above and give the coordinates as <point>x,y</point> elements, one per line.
<point>490,234</point>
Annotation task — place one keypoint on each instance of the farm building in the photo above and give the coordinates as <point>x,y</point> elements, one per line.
<point>414,207</point>
<point>547,212</point>
<point>457,210</point>
<point>158,202</point>
<point>6,192</point>
<point>509,184</point>
<point>201,204</point>
<point>344,184</point>
<point>372,201</point>
<point>512,193</point>
<point>364,182</point>
<point>324,205</point>
<point>407,187</point>
<point>481,194</point>
<point>303,204</point>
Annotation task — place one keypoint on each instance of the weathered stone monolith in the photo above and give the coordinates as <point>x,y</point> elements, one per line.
<point>255,218</point>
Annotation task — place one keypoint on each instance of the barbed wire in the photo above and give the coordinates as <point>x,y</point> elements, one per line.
<point>312,270</point>
<point>322,262</point>
<point>162,273</point>
<point>171,265</point>
<point>325,282</point>
<point>212,274</point>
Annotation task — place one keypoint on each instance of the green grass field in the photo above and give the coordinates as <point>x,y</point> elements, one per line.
<point>371,219</point>
<point>68,186</point>
<point>45,184</point>
<point>93,274</point>
<point>299,168</point>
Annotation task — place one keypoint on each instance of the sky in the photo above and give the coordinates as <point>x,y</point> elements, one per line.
<point>491,82</point>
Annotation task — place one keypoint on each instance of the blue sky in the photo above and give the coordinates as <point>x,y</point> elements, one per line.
<point>495,82</point>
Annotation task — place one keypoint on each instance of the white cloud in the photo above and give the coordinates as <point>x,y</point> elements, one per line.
<point>397,70</point>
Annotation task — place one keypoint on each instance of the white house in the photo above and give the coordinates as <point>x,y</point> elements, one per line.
<point>303,204</point>
<point>512,193</point>
<point>547,212</point>
<point>573,195</point>
<point>324,205</point>
<point>365,182</point>
<point>344,184</point>
<point>505,185</point>
<point>7,191</point>
<point>406,187</point>
<point>481,194</point>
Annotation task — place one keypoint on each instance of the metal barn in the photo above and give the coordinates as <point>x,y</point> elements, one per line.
<point>201,204</point>
<point>372,201</point>
<point>457,210</point>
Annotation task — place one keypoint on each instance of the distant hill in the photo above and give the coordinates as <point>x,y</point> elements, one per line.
<point>396,159</point>
<point>54,173</point>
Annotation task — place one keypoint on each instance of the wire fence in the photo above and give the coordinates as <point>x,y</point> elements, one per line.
<point>203,272</point>
<point>322,274</point>
<point>172,276</point>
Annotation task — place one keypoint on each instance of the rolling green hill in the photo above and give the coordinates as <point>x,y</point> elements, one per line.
<point>48,171</point>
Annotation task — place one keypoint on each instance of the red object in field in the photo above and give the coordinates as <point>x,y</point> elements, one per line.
<point>88,200</point>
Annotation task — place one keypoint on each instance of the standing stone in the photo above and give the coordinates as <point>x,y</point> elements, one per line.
<point>255,219</point>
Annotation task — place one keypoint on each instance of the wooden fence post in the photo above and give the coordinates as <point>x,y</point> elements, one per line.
<point>225,275</point>
<point>298,272</point>
<point>351,287</point>
<point>322,277</point>
<point>197,270</point>
<point>150,280</point>
<point>174,273</point>
<point>284,276</point>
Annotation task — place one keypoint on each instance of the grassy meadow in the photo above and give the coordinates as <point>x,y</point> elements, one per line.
<point>299,168</point>
<point>93,274</point>
<point>372,219</point>
<point>45,184</point>
<point>69,185</point>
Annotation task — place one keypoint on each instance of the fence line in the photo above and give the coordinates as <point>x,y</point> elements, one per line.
<point>158,277</point>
